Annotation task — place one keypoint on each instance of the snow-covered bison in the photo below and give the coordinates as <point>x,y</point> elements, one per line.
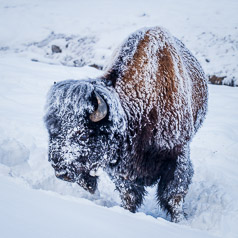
<point>135,122</point>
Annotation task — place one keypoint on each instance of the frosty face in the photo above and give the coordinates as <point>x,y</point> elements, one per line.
<point>81,139</point>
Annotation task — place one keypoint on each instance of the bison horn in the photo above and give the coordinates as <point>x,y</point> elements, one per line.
<point>101,111</point>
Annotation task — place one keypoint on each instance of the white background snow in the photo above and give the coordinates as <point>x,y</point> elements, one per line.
<point>33,203</point>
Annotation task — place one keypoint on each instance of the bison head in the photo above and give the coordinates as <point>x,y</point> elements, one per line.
<point>86,125</point>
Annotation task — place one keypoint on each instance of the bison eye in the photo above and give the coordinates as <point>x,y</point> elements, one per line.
<point>83,137</point>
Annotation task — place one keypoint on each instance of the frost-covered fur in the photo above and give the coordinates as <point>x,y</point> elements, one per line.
<point>156,93</point>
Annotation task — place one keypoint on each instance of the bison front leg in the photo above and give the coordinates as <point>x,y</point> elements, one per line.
<point>174,182</point>
<point>131,194</point>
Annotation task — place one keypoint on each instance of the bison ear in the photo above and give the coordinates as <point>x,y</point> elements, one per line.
<point>101,111</point>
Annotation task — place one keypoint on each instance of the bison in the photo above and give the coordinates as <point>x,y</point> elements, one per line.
<point>135,122</point>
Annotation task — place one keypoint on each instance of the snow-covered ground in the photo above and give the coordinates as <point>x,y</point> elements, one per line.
<point>32,201</point>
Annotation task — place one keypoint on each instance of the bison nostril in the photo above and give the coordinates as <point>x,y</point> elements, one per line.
<point>66,178</point>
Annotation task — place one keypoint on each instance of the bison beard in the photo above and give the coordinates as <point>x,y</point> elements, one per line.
<point>155,99</point>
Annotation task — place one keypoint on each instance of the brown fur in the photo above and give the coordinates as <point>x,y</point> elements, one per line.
<point>165,105</point>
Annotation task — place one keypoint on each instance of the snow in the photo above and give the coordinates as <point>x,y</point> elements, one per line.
<point>80,218</point>
<point>208,28</point>
<point>33,201</point>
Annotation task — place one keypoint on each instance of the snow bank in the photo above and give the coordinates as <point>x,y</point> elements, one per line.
<point>13,152</point>
<point>31,213</point>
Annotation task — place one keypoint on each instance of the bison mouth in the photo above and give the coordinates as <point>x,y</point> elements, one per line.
<point>64,175</point>
<point>84,179</point>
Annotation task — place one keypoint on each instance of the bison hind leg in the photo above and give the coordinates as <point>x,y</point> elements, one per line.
<point>175,178</point>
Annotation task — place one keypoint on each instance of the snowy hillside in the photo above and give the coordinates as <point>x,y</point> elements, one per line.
<point>33,202</point>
